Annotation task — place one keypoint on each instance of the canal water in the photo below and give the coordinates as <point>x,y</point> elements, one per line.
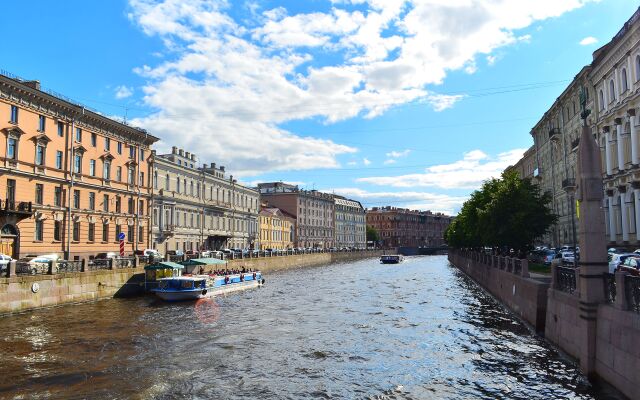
<point>418,330</point>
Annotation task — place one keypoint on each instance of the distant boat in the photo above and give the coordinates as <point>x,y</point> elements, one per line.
<point>391,259</point>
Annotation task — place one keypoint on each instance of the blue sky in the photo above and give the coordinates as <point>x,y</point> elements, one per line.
<point>410,103</point>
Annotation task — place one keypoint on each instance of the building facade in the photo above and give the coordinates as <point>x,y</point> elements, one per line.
<point>199,208</point>
<point>277,229</point>
<point>313,212</point>
<point>350,223</point>
<point>526,166</point>
<point>400,227</point>
<point>72,179</point>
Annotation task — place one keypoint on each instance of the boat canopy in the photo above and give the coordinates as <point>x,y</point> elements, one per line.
<point>165,265</point>
<point>204,261</point>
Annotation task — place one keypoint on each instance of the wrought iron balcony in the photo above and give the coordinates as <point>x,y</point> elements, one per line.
<point>19,209</point>
<point>167,229</point>
<point>569,184</point>
<point>554,133</point>
<point>575,143</point>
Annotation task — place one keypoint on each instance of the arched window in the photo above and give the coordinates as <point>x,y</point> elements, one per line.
<point>166,182</point>
<point>601,100</point>
<point>637,67</point>
<point>612,91</point>
<point>625,84</point>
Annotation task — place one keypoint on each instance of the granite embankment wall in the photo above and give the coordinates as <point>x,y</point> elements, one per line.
<point>27,292</point>
<point>508,280</point>
<point>554,309</point>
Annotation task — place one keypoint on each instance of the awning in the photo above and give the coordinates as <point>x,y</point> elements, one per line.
<point>204,261</point>
<point>165,265</point>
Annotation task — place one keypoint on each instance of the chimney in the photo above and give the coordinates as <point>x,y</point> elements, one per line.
<point>193,157</point>
<point>181,152</point>
<point>187,154</point>
<point>222,168</point>
<point>213,165</point>
<point>230,178</point>
<point>32,84</point>
<point>204,166</point>
<point>174,150</point>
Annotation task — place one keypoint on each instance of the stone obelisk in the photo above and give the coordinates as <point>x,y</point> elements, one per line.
<point>592,241</point>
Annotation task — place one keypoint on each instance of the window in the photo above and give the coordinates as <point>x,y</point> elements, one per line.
<point>94,140</point>
<point>191,189</point>
<point>130,205</point>
<point>140,233</point>
<point>76,199</point>
<point>141,154</point>
<point>106,170</point>
<point>130,233</point>
<point>141,207</point>
<point>76,231</point>
<point>177,185</point>
<point>39,230</point>
<point>612,91</point>
<point>107,144</point>
<point>57,196</point>
<point>92,201</point>
<point>119,148</point>
<point>39,193</point>
<point>118,204</point>
<point>59,159</point>
<point>166,182</point>
<point>105,203</point>
<point>60,128</point>
<point>155,179</point>
<point>92,232</point>
<point>119,174</point>
<point>14,115</point>
<point>132,152</point>
<point>78,135</point>
<point>141,179</point>
<point>601,100</point>
<point>105,232</point>
<point>40,154</point>
<point>118,230</point>
<point>92,167</point>
<point>623,78</point>
<point>12,148</point>
<point>57,230</point>
<point>130,176</point>
<point>77,164</point>
<point>11,190</point>
<point>41,123</point>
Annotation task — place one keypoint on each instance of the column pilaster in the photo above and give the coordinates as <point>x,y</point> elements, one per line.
<point>622,190</point>
<point>612,220</point>
<point>618,124</point>
<point>608,157</point>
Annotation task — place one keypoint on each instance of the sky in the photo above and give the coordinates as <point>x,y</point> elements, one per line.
<point>408,103</point>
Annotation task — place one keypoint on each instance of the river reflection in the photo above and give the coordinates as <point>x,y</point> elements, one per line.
<point>417,330</point>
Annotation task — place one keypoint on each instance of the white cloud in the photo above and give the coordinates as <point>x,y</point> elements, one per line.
<point>468,173</point>
<point>389,161</point>
<point>122,92</point>
<point>234,82</point>
<point>588,40</point>
<point>352,163</point>
<point>366,161</point>
<point>398,154</point>
<point>413,200</point>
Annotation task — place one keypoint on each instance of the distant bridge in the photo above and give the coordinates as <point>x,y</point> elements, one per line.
<point>414,251</point>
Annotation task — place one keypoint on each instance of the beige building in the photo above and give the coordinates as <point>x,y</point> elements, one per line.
<point>277,228</point>
<point>526,166</point>
<point>199,208</point>
<point>72,179</point>
<point>350,223</point>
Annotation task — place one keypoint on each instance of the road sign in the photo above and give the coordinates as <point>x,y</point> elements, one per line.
<point>122,248</point>
<point>121,236</point>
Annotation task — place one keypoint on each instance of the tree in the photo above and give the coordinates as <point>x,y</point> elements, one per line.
<point>372,234</point>
<point>505,212</point>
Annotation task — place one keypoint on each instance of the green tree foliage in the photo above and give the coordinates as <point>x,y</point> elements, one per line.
<point>505,212</point>
<point>372,234</point>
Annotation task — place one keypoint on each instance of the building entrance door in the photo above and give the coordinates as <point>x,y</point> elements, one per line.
<point>8,241</point>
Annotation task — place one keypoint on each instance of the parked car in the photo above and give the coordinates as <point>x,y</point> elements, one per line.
<point>192,253</point>
<point>148,253</point>
<point>546,256</point>
<point>568,257</point>
<point>175,252</point>
<point>617,260</point>
<point>104,256</point>
<point>33,264</point>
<point>4,262</point>
<point>631,264</point>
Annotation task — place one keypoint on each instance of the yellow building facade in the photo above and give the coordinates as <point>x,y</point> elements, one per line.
<point>276,229</point>
<point>71,179</point>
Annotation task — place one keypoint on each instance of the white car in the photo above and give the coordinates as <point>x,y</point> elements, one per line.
<point>617,260</point>
<point>35,264</point>
<point>4,261</point>
<point>568,257</point>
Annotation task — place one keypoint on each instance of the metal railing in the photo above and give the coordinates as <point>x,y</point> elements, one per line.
<point>12,205</point>
<point>66,266</point>
<point>566,279</point>
<point>175,258</point>
<point>610,292</point>
<point>123,262</point>
<point>517,266</point>
<point>632,291</point>
<point>32,268</point>
<point>98,264</point>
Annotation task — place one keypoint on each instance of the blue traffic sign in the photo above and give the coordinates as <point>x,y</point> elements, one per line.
<point>121,236</point>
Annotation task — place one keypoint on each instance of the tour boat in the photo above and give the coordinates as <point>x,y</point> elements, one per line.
<point>166,281</point>
<point>391,259</point>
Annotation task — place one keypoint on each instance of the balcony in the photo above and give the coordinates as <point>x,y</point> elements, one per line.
<point>575,143</point>
<point>537,173</point>
<point>554,134</point>
<point>569,184</point>
<point>167,229</point>
<point>17,209</point>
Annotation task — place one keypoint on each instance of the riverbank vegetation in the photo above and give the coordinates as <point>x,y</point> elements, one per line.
<point>506,212</point>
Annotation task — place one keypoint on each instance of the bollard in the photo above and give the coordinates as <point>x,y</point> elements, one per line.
<point>554,279</point>
<point>111,263</point>
<point>83,265</point>
<point>53,266</point>
<point>11,271</point>
<point>525,268</point>
<point>136,262</point>
<point>621,294</point>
